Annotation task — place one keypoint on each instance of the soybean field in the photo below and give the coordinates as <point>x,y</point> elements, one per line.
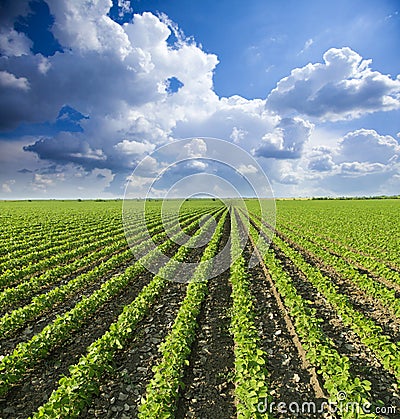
<point>298,319</point>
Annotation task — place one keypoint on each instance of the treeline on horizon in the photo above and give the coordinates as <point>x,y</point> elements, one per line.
<point>313,198</point>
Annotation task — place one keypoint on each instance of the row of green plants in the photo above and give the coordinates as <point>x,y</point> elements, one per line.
<point>28,235</point>
<point>368,262</point>
<point>76,390</point>
<point>11,277</point>
<point>27,354</point>
<point>41,303</point>
<point>251,375</point>
<point>372,287</point>
<point>56,232</point>
<point>320,349</point>
<point>44,302</point>
<point>32,252</point>
<point>35,284</point>
<point>372,335</point>
<point>370,227</point>
<point>334,238</point>
<point>55,257</point>
<point>162,391</point>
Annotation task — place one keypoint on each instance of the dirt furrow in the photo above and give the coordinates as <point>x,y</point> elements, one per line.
<point>208,387</point>
<point>291,379</point>
<point>121,393</point>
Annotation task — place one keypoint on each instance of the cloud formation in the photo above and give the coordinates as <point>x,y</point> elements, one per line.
<point>286,141</point>
<point>344,86</point>
<point>368,146</point>
<point>132,87</point>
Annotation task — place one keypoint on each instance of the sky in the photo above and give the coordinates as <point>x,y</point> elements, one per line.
<point>308,89</point>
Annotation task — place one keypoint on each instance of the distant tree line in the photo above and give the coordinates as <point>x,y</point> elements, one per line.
<point>324,198</point>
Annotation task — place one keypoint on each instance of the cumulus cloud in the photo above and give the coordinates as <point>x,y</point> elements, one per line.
<point>361,151</point>
<point>6,186</point>
<point>322,162</point>
<point>67,147</point>
<point>238,134</point>
<point>356,168</point>
<point>85,26</point>
<point>144,84</point>
<point>247,169</point>
<point>286,141</point>
<point>344,86</point>
<point>196,148</point>
<point>10,81</point>
<point>362,162</point>
<point>109,69</point>
<point>134,147</point>
<point>13,43</point>
<point>368,146</point>
<point>116,76</point>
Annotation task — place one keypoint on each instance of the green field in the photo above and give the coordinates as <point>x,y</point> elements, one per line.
<point>87,331</point>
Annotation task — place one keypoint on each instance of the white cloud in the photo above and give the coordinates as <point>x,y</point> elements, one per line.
<point>368,146</point>
<point>238,135</point>
<point>85,26</point>
<point>344,86</point>
<point>306,46</point>
<point>134,147</point>
<point>355,168</point>
<point>286,141</point>
<point>8,80</point>
<point>41,183</point>
<point>197,164</point>
<point>321,160</point>
<point>124,6</point>
<point>247,169</point>
<point>44,66</point>
<point>13,43</point>
<point>362,162</point>
<point>196,148</point>
<point>6,186</point>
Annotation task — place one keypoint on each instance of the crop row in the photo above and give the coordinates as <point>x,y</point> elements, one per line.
<point>76,390</point>
<point>370,263</point>
<point>31,251</point>
<point>26,354</point>
<point>369,227</point>
<point>35,284</point>
<point>373,287</point>
<point>13,273</point>
<point>12,276</point>
<point>162,391</point>
<point>250,372</point>
<point>320,350</point>
<point>36,261</point>
<point>41,303</point>
<point>17,235</point>
<point>372,335</point>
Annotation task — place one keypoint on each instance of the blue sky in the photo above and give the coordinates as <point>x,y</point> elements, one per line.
<point>310,89</point>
